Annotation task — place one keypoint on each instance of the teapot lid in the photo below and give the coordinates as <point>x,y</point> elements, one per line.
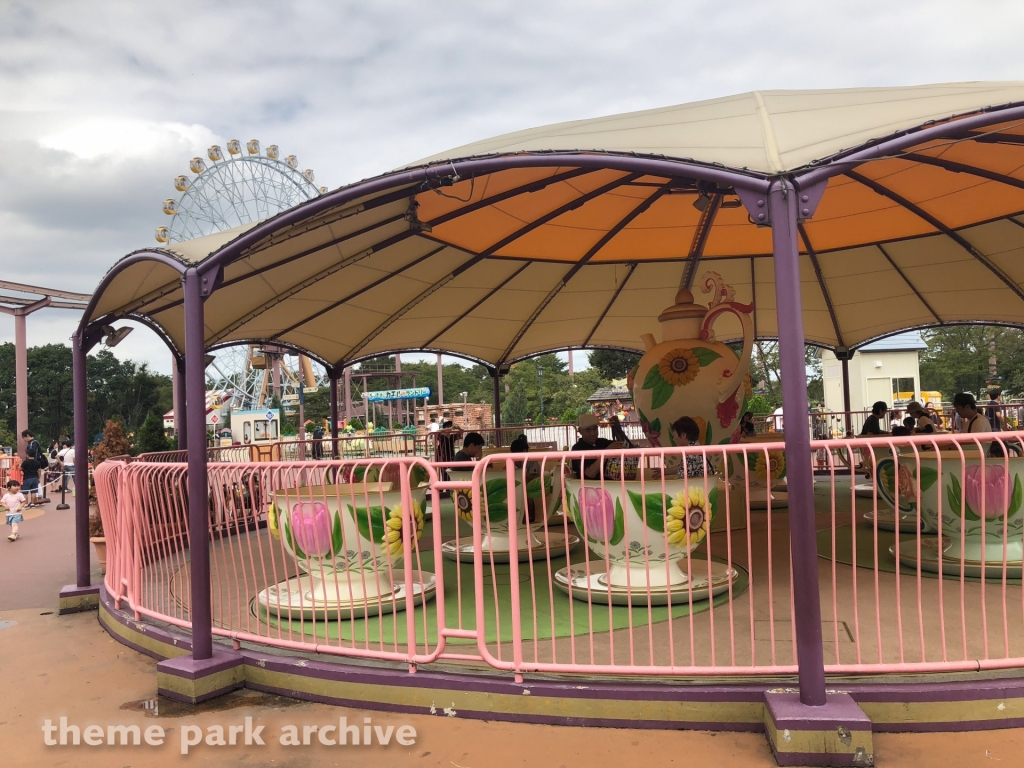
<point>684,308</point>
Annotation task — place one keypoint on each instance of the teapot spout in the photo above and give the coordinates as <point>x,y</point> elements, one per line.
<point>648,340</point>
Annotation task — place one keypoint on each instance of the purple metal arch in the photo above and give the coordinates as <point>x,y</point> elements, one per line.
<point>469,167</point>
<point>135,257</point>
<point>876,149</point>
<point>944,324</point>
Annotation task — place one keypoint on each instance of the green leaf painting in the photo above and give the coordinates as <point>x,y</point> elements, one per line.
<point>496,491</point>
<point>337,539</point>
<point>705,356</point>
<point>1015,497</point>
<point>927,478</point>
<point>957,501</point>
<point>656,426</point>
<point>662,389</point>
<point>707,440</point>
<point>619,531</point>
<point>292,544</point>
<point>713,503</point>
<point>655,515</point>
<point>370,521</point>
<point>418,475</point>
<point>539,487</point>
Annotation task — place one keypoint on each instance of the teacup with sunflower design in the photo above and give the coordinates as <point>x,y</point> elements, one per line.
<point>538,501</point>
<point>348,538</point>
<point>643,530</point>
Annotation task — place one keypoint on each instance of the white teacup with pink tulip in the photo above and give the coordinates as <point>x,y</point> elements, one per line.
<point>980,501</point>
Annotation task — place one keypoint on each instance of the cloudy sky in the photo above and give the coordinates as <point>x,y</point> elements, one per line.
<point>103,103</point>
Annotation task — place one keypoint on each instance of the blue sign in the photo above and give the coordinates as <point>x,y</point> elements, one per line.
<point>413,393</point>
<point>270,415</point>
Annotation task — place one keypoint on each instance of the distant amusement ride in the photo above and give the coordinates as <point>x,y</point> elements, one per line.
<point>244,185</point>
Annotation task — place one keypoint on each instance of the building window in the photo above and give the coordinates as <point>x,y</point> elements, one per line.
<point>903,389</point>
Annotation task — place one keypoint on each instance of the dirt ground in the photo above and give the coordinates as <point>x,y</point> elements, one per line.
<point>67,666</point>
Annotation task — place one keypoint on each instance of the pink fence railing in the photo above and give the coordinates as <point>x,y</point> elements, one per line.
<point>509,585</point>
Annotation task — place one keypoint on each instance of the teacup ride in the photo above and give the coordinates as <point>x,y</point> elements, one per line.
<point>894,511</point>
<point>640,535</point>
<point>348,542</point>
<point>974,503</point>
<point>539,530</point>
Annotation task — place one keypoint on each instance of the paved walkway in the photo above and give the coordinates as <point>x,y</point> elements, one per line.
<point>53,666</point>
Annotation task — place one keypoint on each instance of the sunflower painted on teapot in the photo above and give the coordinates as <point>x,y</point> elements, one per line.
<point>692,374</point>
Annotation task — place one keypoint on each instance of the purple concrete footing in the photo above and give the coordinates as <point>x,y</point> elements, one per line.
<point>184,678</point>
<point>835,734</point>
<point>74,599</point>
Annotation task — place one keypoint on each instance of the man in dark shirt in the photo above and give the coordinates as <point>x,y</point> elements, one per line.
<point>872,424</point>
<point>472,447</point>
<point>590,441</point>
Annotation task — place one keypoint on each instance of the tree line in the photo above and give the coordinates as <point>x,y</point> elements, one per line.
<point>118,389</point>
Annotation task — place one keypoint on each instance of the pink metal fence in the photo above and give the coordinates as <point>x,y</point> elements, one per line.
<point>546,608</point>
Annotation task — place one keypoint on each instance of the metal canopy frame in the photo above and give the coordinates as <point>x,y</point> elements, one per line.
<point>780,201</point>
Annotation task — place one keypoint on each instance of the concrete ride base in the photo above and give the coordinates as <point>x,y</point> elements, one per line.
<point>186,679</point>
<point>74,599</point>
<point>836,734</point>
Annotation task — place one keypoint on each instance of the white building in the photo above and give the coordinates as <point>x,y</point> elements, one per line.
<point>886,370</point>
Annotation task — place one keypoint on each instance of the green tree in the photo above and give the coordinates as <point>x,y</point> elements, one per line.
<point>559,394</point>
<point>613,363</point>
<point>958,358</point>
<point>151,437</point>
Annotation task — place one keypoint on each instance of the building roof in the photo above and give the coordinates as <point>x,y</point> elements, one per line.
<point>610,393</point>
<point>911,341</point>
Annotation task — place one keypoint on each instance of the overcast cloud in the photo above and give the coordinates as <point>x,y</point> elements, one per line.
<point>103,103</point>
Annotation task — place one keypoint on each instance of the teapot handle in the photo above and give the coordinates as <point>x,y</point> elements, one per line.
<point>730,382</point>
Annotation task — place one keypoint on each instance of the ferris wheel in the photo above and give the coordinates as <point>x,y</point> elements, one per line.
<point>244,186</point>
<point>237,188</point>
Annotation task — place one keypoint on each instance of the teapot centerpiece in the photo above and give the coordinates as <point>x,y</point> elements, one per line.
<point>691,373</point>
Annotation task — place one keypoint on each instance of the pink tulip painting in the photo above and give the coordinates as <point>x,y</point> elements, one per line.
<point>311,523</point>
<point>992,480</point>
<point>598,513</point>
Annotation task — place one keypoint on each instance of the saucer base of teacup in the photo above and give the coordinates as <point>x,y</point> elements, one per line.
<point>588,582</point>
<point>498,549</point>
<point>331,597</point>
<point>886,519</point>
<point>950,563</point>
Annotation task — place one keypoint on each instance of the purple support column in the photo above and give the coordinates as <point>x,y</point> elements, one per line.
<point>21,379</point>
<point>440,384</point>
<point>497,400</point>
<point>846,394</point>
<point>782,201</point>
<point>348,393</point>
<point>79,350</point>
<point>180,410</point>
<point>198,501</point>
<point>334,405</point>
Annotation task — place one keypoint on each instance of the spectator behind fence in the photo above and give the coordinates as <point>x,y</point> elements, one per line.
<point>992,410</point>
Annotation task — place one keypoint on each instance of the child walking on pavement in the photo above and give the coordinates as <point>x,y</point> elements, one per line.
<point>13,500</point>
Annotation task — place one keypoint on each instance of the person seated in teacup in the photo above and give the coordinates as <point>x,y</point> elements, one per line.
<point>685,431</point>
<point>520,445</point>
<point>472,447</point>
<point>971,419</point>
<point>873,424</point>
<point>590,441</point>
<point>920,422</point>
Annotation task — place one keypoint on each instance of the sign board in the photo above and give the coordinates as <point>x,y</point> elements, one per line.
<point>311,390</point>
<point>214,419</point>
<point>413,393</point>
<point>270,415</point>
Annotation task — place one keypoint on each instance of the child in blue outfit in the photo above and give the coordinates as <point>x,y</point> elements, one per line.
<point>13,500</point>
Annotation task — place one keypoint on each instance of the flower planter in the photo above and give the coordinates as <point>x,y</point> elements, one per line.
<point>642,533</point>
<point>539,495</point>
<point>970,502</point>
<point>99,543</point>
<point>348,541</point>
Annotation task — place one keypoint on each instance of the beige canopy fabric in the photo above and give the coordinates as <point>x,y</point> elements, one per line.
<point>568,239</point>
